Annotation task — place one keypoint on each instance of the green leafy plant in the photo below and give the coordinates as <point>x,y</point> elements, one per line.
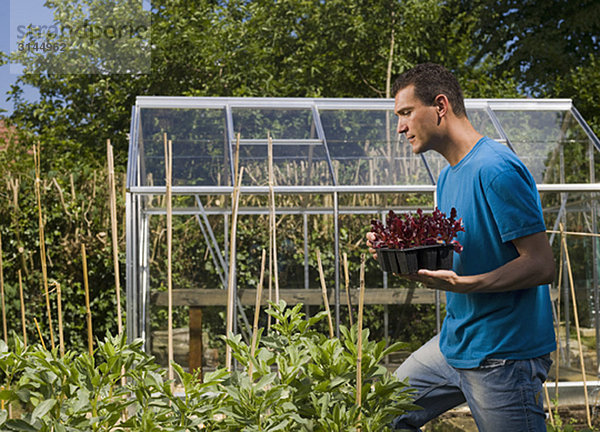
<point>300,381</point>
<point>561,424</point>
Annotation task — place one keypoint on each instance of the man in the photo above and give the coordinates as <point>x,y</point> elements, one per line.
<point>493,348</point>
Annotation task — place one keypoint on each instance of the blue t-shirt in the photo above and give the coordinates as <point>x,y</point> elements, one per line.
<point>496,197</point>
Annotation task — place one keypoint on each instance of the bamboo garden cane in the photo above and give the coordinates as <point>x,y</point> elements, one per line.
<point>61,338</point>
<point>272,229</point>
<point>36,161</point>
<point>168,198</point>
<point>23,319</point>
<point>115,239</point>
<point>37,326</point>
<point>324,292</point>
<point>575,233</point>
<point>347,283</point>
<point>361,302</point>
<point>576,314</point>
<point>549,403</point>
<point>257,310</point>
<point>272,224</point>
<point>114,233</point>
<point>239,173</point>
<point>270,284</point>
<point>86,287</point>
<point>4,328</point>
<point>557,335</point>
<point>560,278</point>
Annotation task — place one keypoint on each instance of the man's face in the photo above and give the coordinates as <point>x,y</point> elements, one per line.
<point>418,122</point>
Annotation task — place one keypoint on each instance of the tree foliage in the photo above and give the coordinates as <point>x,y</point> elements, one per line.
<point>538,41</point>
<point>582,83</point>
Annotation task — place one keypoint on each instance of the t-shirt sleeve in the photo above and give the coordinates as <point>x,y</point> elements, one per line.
<point>515,204</point>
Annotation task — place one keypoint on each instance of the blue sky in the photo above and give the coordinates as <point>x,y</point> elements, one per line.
<point>12,14</point>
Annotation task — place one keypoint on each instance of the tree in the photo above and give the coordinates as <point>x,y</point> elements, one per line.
<point>583,85</point>
<point>538,41</point>
<point>85,89</point>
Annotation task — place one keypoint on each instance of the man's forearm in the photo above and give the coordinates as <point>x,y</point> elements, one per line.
<point>534,266</point>
<point>520,273</point>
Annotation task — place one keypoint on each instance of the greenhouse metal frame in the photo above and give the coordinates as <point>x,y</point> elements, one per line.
<point>340,146</point>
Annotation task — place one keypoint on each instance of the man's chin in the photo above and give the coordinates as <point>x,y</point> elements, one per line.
<point>418,149</point>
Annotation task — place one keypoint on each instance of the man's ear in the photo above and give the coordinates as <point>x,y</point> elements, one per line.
<point>442,105</point>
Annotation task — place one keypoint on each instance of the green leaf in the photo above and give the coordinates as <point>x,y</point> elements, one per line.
<point>42,409</point>
<point>20,425</point>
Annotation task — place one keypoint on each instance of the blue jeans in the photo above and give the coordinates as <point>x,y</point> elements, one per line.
<point>503,395</point>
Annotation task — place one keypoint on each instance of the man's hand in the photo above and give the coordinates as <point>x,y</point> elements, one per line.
<point>445,280</point>
<point>370,238</point>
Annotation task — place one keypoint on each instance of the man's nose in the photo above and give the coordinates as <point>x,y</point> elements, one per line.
<point>401,126</point>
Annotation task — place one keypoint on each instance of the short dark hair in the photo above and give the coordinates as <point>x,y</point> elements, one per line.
<point>431,80</point>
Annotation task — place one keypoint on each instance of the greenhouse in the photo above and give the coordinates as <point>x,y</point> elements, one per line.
<point>321,168</point>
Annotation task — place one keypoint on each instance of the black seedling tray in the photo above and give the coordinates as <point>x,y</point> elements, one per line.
<point>407,261</point>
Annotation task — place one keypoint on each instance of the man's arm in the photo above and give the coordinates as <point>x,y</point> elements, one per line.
<point>534,266</point>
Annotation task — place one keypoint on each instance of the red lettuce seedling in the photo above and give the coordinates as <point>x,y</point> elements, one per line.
<point>422,229</point>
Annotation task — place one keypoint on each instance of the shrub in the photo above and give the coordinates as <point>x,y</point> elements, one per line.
<point>301,381</point>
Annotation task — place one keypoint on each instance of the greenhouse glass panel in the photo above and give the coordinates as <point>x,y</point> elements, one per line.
<point>200,155</point>
<point>551,143</point>
<point>365,149</point>
<point>436,162</point>
<point>480,118</point>
<point>299,156</point>
<point>280,123</point>
<point>293,164</point>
